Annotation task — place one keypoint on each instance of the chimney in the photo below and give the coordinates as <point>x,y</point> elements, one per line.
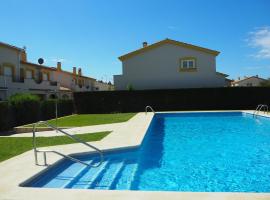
<point>74,71</point>
<point>59,66</point>
<point>239,78</point>
<point>144,44</point>
<point>79,71</point>
<point>23,56</point>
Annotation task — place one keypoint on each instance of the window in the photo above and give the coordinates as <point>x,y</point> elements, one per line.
<point>188,63</point>
<point>45,77</point>
<point>7,71</point>
<point>29,74</point>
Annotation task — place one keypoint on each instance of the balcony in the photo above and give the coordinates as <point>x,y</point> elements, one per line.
<point>27,84</point>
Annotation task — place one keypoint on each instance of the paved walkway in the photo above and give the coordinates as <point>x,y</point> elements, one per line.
<point>75,130</point>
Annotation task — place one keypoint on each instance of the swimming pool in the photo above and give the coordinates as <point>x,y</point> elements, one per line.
<point>198,152</point>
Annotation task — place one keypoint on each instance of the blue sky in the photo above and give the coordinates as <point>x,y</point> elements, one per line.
<point>93,34</point>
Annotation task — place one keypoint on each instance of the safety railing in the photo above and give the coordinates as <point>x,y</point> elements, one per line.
<point>260,107</point>
<point>149,107</point>
<point>73,137</point>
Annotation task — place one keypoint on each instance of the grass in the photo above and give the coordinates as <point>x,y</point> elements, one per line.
<point>12,146</point>
<point>89,119</point>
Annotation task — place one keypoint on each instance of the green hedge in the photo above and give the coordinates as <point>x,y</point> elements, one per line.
<point>27,108</point>
<point>6,121</point>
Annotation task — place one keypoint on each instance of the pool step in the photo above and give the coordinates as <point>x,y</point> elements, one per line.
<point>78,174</point>
<point>109,177</point>
<point>127,176</point>
<point>89,176</point>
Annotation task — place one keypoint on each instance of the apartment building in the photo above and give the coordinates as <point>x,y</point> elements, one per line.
<point>18,75</point>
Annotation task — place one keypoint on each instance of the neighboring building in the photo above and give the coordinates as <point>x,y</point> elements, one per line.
<point>17,75</point>
<point>248,81</point>
<point>169,64</point>
<point>102,86</point>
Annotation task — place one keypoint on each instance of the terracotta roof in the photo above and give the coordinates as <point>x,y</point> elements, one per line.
<point>249,78</point>
<point>37,65</point>
<point>168,41</point>
<point>11,46</point>
<point>53,69</point>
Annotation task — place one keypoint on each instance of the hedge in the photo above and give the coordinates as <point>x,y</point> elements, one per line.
<point>228,98</point>
<point>25,108</point>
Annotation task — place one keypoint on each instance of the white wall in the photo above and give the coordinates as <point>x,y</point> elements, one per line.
<point>252,81</point>
<point>158,68</point>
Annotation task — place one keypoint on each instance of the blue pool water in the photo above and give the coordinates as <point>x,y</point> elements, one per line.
<point>199,152</point>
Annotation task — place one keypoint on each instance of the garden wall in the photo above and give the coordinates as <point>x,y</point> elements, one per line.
<point>168,100</point>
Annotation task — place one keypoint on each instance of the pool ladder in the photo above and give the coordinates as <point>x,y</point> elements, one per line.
<point>73,137</point>
<point>259,108</point>
<point>149,107</point>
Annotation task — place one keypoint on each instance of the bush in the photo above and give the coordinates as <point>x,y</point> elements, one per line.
<point>25,108</point>
<point>6,121</point>
<point>47,109</point>
<point>65,107</point>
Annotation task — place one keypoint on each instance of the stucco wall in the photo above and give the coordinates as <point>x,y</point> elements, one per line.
<point>10,56</point>
<point>253,81</point>
<point>158,68</point>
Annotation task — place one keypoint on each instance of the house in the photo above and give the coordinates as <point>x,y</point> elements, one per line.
<point>18,75</point>
<point>248,81</point>
<point>169,64</point>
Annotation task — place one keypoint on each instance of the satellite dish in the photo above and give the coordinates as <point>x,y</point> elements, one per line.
<point>40,61</point>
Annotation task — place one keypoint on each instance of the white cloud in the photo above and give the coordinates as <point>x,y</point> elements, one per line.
<point>260,39</point>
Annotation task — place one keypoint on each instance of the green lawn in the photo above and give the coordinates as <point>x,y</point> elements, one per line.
<point>90,119</point>
<point>12,146</point>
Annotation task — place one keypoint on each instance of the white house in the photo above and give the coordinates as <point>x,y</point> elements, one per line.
<point>248,81</point>
<point>169,64</point>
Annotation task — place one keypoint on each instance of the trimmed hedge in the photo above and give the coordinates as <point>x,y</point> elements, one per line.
<point>26,108</point>
<point>6,121</point>
<point>228,98</point>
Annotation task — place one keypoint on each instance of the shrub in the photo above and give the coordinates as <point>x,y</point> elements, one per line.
<point>25,108</point>
<point>65,107</point>
<point>6,121</point>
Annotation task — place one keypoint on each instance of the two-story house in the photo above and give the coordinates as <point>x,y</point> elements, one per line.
<point>169,64</point>
<point>18,75</point>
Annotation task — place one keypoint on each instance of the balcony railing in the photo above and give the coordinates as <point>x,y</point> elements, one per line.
<point>6,81</point>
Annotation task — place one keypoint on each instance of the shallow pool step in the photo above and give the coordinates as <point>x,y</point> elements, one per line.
<point>63,177</point>
<point>87,177</point>
<point>109,177</point>
<point>79,173</point>
<point>127,176</point>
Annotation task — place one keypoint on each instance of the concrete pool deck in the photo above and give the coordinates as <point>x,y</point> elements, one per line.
<point>129,134</point>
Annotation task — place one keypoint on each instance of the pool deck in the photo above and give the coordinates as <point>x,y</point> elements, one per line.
<point>124,135</point>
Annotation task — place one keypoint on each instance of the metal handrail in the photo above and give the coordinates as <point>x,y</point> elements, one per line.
<point>150,109</point>
<point>36,151</point>
<point>259,108</point>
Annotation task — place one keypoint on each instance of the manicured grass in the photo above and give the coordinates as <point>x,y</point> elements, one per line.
<point>12,146</point>
<point>90,119</point>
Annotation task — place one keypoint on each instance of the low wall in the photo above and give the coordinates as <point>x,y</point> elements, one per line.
<point>227,98</point>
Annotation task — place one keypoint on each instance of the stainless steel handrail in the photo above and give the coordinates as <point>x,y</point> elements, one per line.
<point>36,151</point>
<point>149,108</point>
<point>259,108</point>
